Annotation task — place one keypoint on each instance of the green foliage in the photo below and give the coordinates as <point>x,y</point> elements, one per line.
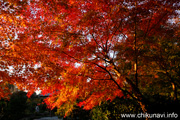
<point>75,113</point>
<point>112,110</point>
<point>99,113</point>
<point>62,111</point>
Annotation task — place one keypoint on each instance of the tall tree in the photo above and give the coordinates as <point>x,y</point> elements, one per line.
<point>88,50</point>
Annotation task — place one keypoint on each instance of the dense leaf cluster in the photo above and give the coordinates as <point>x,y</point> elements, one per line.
<point>90,50</point>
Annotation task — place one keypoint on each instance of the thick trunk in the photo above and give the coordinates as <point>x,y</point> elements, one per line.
<point>143,104</point>
<point>143,107</point>
<point>140,98</point>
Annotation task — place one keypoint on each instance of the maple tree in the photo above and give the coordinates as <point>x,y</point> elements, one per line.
<point>10,24</point>
<point>91,50</point>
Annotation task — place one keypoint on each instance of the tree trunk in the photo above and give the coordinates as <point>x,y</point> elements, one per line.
<point>174,88</point>
<point>141,99</point>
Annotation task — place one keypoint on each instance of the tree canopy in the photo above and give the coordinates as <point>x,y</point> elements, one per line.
<point>89,50</point>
